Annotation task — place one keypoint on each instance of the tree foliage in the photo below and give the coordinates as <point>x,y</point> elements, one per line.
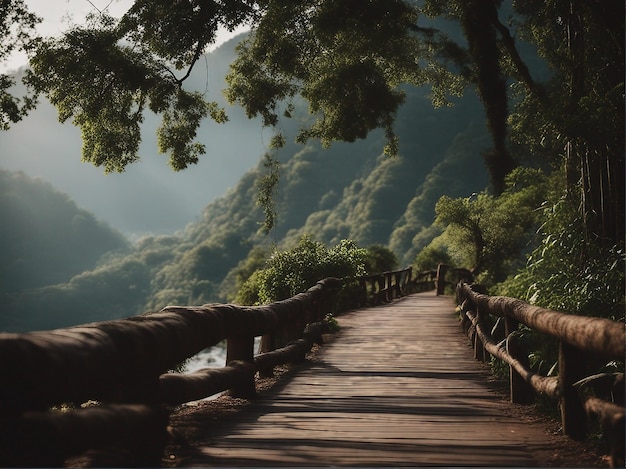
<point>349,60</point>
<point>17,33</point>
<point>346,58</point>
<point>487,234</point>
<point>380,259</point>
<point>575,117</point>
<point>125,80</point>
<point>287,273</point>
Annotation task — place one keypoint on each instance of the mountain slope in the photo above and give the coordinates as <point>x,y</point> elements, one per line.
<point>149,197</point>
<point>346,191</point>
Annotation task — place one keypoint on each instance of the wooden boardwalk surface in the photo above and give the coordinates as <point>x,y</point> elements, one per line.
<point>397,387</point>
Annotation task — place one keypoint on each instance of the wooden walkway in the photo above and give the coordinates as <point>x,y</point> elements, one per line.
<point>397,387</point>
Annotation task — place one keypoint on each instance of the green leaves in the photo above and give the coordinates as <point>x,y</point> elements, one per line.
<point>288,273</point>
<point>347,59</point>
<point>98,77</point>
<point>569,273</point>
<point>17,33</point>
<point>267,185</point>
<point>488,233</point>
<point>180,124</point>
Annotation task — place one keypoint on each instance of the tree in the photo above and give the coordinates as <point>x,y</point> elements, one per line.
<point>489,233</point>
<point>577,115</point>
<point>349,59</point>
<point>17,33</point>
<point>290,272</point>
<point>380,259</point>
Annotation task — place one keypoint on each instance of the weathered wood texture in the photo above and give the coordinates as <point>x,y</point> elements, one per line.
<point>122,361</point>
<point>581,339</point>
<point>397,387</point>
<point>593,335</point>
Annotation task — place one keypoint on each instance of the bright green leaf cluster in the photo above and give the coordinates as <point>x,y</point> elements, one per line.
<point>105,83</point>
<point>17,33</point>
<point>288,273</point>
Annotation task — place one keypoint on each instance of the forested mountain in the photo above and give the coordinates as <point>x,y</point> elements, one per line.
<point>45,238</point>
<point>350,190</point>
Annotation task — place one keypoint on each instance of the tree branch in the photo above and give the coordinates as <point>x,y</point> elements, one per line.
<point>509,43</point>
<point>196,57</point>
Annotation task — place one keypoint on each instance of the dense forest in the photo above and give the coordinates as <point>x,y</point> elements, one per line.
<point>516,172</point>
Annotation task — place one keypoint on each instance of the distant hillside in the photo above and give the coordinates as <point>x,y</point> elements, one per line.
<point>45,238</point>
<point>148,198</point>
<point>347,191</point>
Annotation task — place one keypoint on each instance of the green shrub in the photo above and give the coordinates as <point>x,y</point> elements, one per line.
<point>431,256</point>
<point>380,259</point>
<point>290,272</point>
<point>567,272</point>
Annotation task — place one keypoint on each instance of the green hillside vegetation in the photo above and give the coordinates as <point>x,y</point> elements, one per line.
<point>46,239</point>
<point>349,191</point>
<point>548,221</point>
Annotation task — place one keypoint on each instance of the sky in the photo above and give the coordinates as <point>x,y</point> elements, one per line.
<point>58,15</point>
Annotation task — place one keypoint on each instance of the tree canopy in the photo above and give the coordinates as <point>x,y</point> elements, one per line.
<point>17,34</point>
<point>350,61</point>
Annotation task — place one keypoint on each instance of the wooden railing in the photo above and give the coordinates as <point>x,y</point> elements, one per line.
<point>447,276</point>
<point>124,365</point>
<point>384,287</point>
<point>580,340</point>
<point>124,368</point>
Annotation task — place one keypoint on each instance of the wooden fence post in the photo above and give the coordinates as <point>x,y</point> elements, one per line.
<point>573,415</point>
<point>479,349</point>
<point>521,391</point>
<point>241,348</point>
<point>441,278</point>
<point>480,353</point>
<point>363,296</point>
<point>409,282</point>
<point>465,321</point>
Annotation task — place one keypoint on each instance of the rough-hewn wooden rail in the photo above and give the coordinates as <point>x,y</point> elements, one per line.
<point>580,339</point>
<point>125,365</point>
<point>384,287</point>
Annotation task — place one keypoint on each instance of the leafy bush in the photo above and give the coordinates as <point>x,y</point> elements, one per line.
<point>488,234</point>
<point>432,255</point>
<point>288,273</point>
<point>567,272</point>
<point>379,259</point>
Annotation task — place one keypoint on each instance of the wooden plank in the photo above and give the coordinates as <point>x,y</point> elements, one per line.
<point>397,387</point>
